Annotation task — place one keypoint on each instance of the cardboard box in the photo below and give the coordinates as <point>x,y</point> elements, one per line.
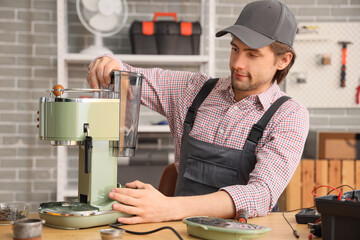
<point>340,145</point>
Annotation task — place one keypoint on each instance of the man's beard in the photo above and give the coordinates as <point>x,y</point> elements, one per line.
<point>241,85</point>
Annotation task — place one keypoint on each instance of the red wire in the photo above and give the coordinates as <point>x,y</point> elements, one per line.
<point>317,220</point>
<point>313,191</point>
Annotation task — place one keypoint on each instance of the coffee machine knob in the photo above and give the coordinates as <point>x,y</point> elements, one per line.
<point>57,90</point>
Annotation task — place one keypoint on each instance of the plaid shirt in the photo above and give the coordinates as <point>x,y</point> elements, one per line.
<point>222,121</point>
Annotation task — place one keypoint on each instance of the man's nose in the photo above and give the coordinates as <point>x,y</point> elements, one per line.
<point>239,61</point>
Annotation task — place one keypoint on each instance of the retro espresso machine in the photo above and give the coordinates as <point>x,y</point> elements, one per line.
<point>104,127</point>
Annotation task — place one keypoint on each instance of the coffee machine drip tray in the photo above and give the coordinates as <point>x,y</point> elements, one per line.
<point>68,209</point>
<point>76,215</point>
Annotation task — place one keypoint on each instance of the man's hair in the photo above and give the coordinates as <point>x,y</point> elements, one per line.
<point>279,49</point>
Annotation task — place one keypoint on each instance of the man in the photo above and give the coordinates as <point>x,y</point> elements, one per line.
<point>241,140</point>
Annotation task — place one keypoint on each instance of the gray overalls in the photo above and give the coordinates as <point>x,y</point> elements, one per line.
<point>205,167</point>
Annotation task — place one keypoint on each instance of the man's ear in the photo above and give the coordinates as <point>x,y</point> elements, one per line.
<point>284,60</point>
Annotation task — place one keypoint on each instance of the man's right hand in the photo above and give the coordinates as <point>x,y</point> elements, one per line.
<point>99,71</point>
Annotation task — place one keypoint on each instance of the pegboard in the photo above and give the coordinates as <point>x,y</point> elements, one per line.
<point>318,85</point>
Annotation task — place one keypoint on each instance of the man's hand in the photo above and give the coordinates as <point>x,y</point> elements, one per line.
<point>99,71</point>
<point>143,201</point>
<point>149,205</point>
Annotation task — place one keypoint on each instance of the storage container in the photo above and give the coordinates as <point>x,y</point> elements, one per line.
<point>165,37</point>
<point>339,219</point>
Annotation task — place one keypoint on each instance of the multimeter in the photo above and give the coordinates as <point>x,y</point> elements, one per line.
<point>217,228</point>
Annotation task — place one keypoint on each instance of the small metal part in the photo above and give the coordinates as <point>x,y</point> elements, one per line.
<point>65,143</point>
<point>79,90</point>
<point>111,234</point>
<point>87,129</point>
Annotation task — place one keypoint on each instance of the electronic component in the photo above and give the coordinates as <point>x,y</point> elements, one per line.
<point>216,228</point>
<point>307,215</point>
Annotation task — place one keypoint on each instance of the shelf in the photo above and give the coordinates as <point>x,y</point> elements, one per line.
<point>311,37</point>
<point>154,128</point>
<point>144,59</point>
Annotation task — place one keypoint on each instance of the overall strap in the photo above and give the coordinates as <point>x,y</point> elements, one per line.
<point>258,128</point>
<point>200,97</point>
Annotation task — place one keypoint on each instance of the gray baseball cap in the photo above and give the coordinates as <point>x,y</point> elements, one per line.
<point>263,22</point>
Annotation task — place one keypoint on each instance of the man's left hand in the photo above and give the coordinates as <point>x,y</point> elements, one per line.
<point>143,201</point>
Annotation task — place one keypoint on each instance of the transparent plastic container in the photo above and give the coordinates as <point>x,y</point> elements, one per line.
<point>126,86</point>
<point>12,211</point>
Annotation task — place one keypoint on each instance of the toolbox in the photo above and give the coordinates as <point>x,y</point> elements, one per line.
<point>165,36</point>
<point>340,219</point>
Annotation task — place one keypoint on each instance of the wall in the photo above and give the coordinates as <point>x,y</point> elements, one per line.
<point>28,69</point>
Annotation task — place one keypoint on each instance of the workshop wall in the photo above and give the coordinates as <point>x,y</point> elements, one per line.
<point>28,68</point>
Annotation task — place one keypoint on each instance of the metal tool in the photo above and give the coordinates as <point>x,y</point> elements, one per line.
<point>343,66</point>
<point>103,129</point>
<point>358,92</point>
<point>242,216</point>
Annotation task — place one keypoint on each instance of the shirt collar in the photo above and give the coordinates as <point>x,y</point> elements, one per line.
<point>263,99</point>
<point>266,98</point>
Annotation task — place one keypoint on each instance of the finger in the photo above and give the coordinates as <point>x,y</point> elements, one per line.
<point>135,193</point>
<point>130,94</point>
<point>127,85</point>
<point>111,66</point>
<point>123,198</point>
<point>130,220</point>
<point>100,70</point>
<point>92,64</point>
<point>92,78</point>
<point>139,185</point>
<point>125,209</point>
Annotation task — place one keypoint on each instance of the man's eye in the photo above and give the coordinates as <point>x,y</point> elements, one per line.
<point>252,55</point>
<point>234,49</point>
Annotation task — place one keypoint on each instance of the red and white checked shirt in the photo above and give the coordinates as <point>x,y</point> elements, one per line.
<point>223,121</point>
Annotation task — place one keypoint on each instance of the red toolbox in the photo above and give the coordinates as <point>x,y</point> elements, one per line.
<point>165,37</point>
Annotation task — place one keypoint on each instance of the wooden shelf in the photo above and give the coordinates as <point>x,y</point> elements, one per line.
<point>144,59</point>
<point>154,128</point>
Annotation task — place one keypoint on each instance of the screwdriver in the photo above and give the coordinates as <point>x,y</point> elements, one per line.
<point>242,216</point>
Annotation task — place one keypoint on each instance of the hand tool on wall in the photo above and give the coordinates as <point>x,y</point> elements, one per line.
<point>358,92</point>
<point>343,67</point>
<point>307,29</point>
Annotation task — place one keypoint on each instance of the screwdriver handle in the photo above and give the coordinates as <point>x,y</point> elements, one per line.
<point>242,216</point>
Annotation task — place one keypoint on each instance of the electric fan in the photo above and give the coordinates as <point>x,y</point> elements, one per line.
<point>103,18</point>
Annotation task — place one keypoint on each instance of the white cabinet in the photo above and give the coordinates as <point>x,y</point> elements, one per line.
<point>64,59</point>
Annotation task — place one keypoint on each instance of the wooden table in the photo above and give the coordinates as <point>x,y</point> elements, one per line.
<point>280,230</point>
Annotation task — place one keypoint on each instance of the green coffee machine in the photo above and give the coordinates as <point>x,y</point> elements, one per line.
<point>104,127</point>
